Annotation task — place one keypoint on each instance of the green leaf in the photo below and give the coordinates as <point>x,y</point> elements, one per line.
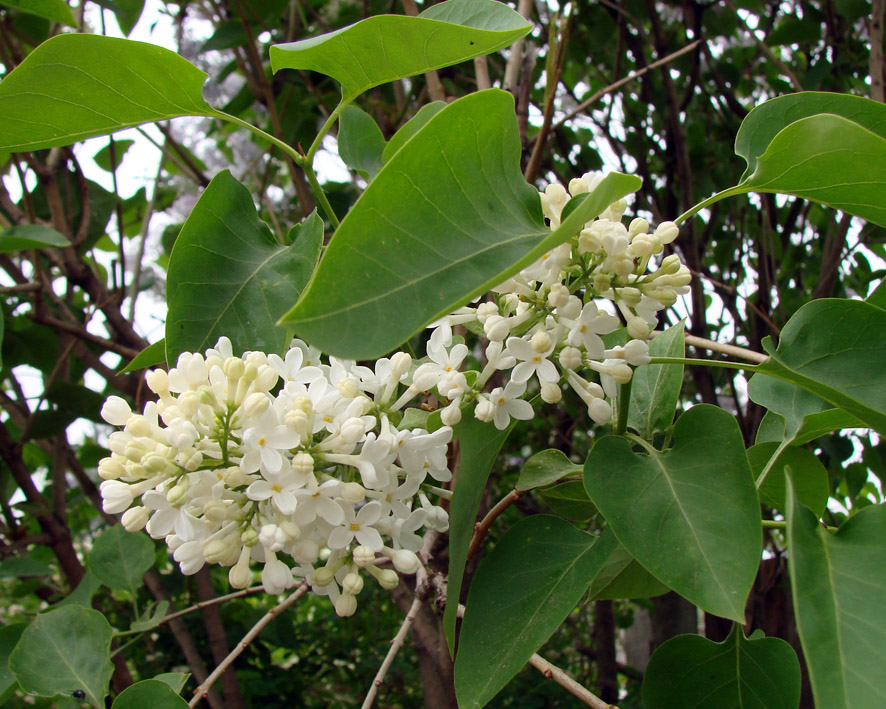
<point>76,86</point>
<point>766,121</point>
<point>127,12</point>
<point>810,477</point>
<point>544,468</point>
<point>878,297</point>
<point>23,566</point>
<point>622,576</point>
<point>522,592</point>
<point>151,617</point>
<point>176,680</point>
<point>838,585</point>
<point>229,276</point>
<point>655,388</point>
<point>751,673</point>
<point>360,141</point>
<point>119,558</point>
<point>9,637</point>
<point>829,347</point>
<point>411,127</point>
<point>670,509</point>
<point>103,157</point>
<point>30,236</point>
<point>570,501</point>
<point>803,416</point>
<point>149,693</point>
<point>387,47</point>
<point>465,221</point>
<point>53,10</point>
<point>479,446</point>
<point>65,650</point>
<point>151,355</point>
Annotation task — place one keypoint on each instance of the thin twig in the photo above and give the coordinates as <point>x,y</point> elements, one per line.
<point>621,82</point>
<point>396,644</point>
<point>203,689</point>
<point>211,602</point>
<point>732,350</point>
<point>570,685</point>
<point>482,528</point>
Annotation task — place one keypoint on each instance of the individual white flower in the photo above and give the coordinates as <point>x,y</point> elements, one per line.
<point>508,404</point>
<point>116,411</point>
<point>264,442</point>
<point>275,576</point>
<point>532,362</point>
<point>358,526</point>
<point>586,330</point>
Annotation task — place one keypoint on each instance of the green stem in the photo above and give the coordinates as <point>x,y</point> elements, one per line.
<point>624,405</point>
<point>738,189</point>
<point>771,462</point>
<point>320,195</point>
<point>781,524</point>
<point>725,364</point>
<point>642,442</point>
<point>288,149</point>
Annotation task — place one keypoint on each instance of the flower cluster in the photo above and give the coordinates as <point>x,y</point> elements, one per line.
<point>247,460</point>
<point>244,459</point>
<point>546,324</point>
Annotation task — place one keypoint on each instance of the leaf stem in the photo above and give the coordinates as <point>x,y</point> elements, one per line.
<point>725,364</point>
<point>781,524</point>
<point>738,189</point>
<point>288,149</point>
<point>771,462</point>
<point>624,405</point>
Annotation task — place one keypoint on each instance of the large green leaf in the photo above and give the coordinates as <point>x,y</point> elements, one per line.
<point>54,10</point>
<point>149,693</point>
<point>809,475</point>
<point>692,672</point>
<point>838,582</point>
<point>835,349</point>
<point>464,220</point>
<point>63,651</point>
<point>655,388</point>
<point>622,576</point>
<point>765,121</point>
<point>412,126</point>
<point>802,415</point>
<point>76,86</point>
<point>229,276</point>
<point>479,444</point>
<point>387,47</point>
<point>690,515</point>
<point>522,592</point>
<point>9,637</point>
<point>119,558</point>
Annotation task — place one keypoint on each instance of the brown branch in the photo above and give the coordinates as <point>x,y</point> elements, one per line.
<point>568,683</point>
<point>482,528</point>
<point>218,642</point>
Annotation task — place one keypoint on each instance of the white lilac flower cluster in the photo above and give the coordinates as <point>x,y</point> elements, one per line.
<point>244,460</point>
<point>546,324</point>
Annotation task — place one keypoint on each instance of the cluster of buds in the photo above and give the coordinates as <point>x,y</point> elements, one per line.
<point>546,324</point>
<point>247,460</point>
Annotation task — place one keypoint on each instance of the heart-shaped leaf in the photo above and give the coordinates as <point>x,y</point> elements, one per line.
<point>522,592</point>
<point>119,558</point>
<point>229,276</point>
<point>750,673</point>
<point>832,347</point>
<point>387,47</point>
<point>838,585</point>
<point>690,515</point>
<point>655,388</point>
<point>65,650</point>
<point>479,444</point>
<point>76,86</point>
<point>809,475</point>
<point>465,219</point>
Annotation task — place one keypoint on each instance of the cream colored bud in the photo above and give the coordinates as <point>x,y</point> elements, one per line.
<point>255,404</point>
<point>556,193</point>
<point>352,430</point>
<point>302,464</point>
<point>451,414</point>
<point>400,364</point>
<point>135,451</point>
<point>550,392</point>
<point>234,477</point>
<point>620,372</point>
<point>116,411</point>
<point>388,578</point>
<point>345,605</point>
<point>323,576</point>
<point>290,530</point>
<point>425,377</point>
<point>234,367</point>
<point>485,311</point>
<point>541,341</point>
<point>638,226</point>
<point>240,575</point>
<point>667,232</point>
<point>354,493</point>
<point>250,372</point>
<point>157,381</point>
<point>577,186</point>
<point>484,410</point>
<point>249,537</point>
<point>600,411</point>
<point>405,561</point>
<point>352,584</point>
<point>306,551</point>
<point>110,469</point>
<point>135,518</point>
<point>215,510</point>
<point>154,463</point>
<point>496,328</point>
<point>570,358</point>
<point>602,282</point>
<point>266,378</point>
<point>363,556</point>
<point>558,296</point>
<point>215,550</point>
<point>638,329</point>
<point>177,494</point>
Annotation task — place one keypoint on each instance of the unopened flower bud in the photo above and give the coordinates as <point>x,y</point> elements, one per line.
<point>558,296</point>
<point>541,341</point>
<point>400,364</point>
<point>255,404</point>
<point>638,328</point>
<point>306,551</point>
<point>496,328</point>
<point>234,367</point>
<point>485,311</point>
<point>110,469</point>
<point>177,495</point>
<point>667,232</point>
<point>240,576</point>
<point>363,556</point>
<point>215,550</point>
<point>388,579</point>
<point>451,414</point>
<point>352,584</point>
<point>116,411</point>
<point>249,537</point>
<point>636,353</point>
<point>348,388</point>
<point>345,605</point>
<point>484,410</point>
<point>322,576</point>
<point>638,226</point>
<point>600,411</point>
<point>135,518</point>
<point>215,510</point>
<point>302,464</point>
<point>265,378</point>
<point>290,530</point>
<point>353,429</point>
<point>354,493</point>
<point>620,372</point>
<point>405,561</point>
<point>158,381</point>
<point>550,392</point>
<point>570,358</point>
